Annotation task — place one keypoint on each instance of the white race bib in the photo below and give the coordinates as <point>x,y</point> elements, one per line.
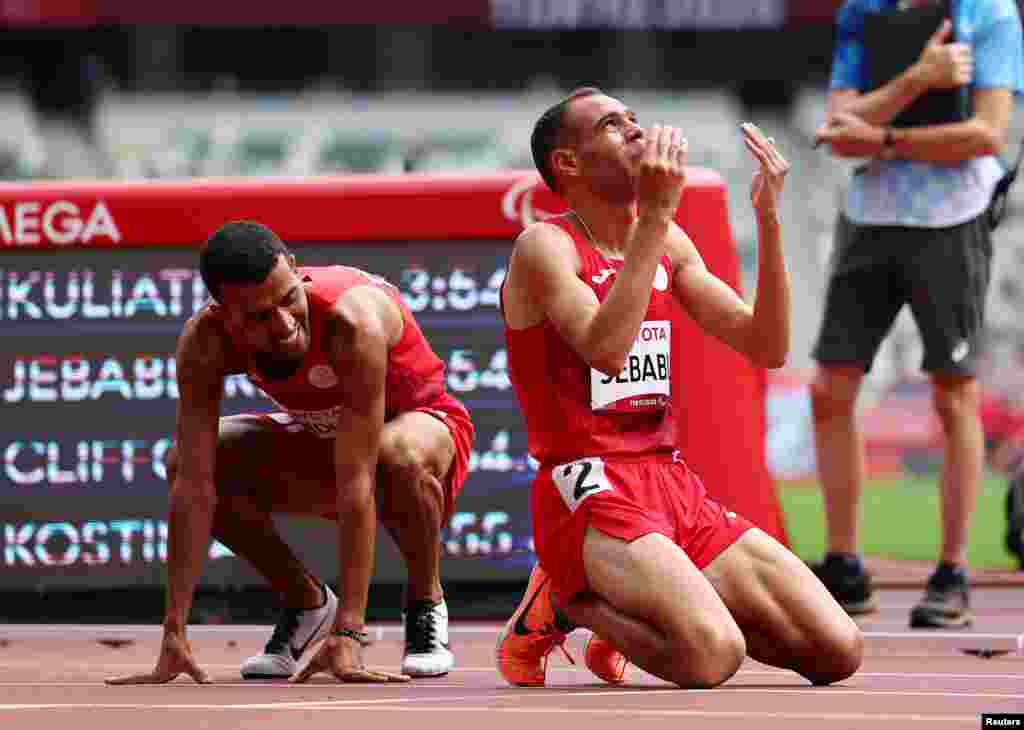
<point>580,479</point>
<point>644,384</point>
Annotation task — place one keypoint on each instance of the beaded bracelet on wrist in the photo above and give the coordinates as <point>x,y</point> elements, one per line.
<point>361,637</point>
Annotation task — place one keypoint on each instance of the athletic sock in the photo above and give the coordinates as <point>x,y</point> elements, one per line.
<point>850,562</point>
<point>949,574</point>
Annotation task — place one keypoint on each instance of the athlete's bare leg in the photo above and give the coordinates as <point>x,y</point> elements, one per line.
<point>262,469</point>
<point>617,628</point>
<point>788,617</point>
<point>416,453</point>
<point>653,604</point>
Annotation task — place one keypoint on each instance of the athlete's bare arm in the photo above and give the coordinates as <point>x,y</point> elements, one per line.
<point>761,332</point>
<point>363,325</point>
<point>201,360</point>
<point>543,280</point>
<point>359,347</point>
<point>201,357</point>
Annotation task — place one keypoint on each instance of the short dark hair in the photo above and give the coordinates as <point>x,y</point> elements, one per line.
<point>239,252</point>
<point>547,133</point>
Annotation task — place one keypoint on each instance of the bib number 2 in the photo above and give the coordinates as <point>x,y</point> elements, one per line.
<point>578,480</point>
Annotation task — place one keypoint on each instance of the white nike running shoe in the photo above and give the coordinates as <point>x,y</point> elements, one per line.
<point>296,631</point>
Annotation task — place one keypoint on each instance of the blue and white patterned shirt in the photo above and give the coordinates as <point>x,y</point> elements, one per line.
<point>924,194</point>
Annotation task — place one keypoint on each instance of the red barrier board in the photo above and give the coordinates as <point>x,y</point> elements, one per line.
<point>96,279</point>
<point>356,208</point>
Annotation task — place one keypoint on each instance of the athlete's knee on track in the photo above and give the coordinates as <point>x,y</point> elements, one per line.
<point>708,655</point>
<point>827,654</point>
<point>838,655</point>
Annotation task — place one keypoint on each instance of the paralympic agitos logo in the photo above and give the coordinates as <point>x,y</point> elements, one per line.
<point>517,203</point>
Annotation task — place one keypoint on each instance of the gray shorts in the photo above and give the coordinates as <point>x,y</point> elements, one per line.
<point>941,273</point>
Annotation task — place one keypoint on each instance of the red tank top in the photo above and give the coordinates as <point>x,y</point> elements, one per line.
<point>415,376</point>
<point>572,411</point>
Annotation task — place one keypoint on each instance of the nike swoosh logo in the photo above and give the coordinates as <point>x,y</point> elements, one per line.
<point>296,653</point>
<point>520,627</point>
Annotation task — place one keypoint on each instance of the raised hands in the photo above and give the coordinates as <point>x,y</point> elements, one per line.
<point>662,171</point>
<point>342,658</point>
<point>768,181</point>
<point>175,658</point>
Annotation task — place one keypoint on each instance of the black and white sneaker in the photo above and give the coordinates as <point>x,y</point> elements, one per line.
<point>946,603</point>
<point>296,631</point>
<point>426,640</point>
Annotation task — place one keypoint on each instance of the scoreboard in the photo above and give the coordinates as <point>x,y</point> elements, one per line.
<point>95,284</point>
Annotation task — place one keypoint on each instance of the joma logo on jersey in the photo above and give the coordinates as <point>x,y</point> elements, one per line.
<point>641,368</point>
<point>660,277</point>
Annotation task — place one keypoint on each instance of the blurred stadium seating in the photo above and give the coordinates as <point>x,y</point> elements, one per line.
<point>467,117</point>
<point>324,132</point>
<point>22,153</point>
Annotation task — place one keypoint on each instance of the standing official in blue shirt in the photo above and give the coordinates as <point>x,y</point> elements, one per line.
<point>914,230</point>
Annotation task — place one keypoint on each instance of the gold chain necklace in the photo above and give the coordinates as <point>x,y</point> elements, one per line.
<point>586,228</point>
<point>593,241</point>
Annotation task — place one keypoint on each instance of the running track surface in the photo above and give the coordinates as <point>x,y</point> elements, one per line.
<point>51,677</point>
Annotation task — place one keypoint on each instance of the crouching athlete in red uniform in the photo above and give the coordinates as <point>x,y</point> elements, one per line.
<point>367,430</point>
<point>629,544</point>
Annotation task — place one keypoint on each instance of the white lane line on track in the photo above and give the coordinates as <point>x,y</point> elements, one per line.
<point>1012,641</point>
<point>310,705</point>
<point>382,631</point>
<point>745,715</point>
<point>508,695</point>
<point>248,685</point>
<point>427,682</point>
<point>403,705</point>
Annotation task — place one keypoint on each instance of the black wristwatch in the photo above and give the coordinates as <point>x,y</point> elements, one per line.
<point>361,637</point>
<point>888,141</point>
